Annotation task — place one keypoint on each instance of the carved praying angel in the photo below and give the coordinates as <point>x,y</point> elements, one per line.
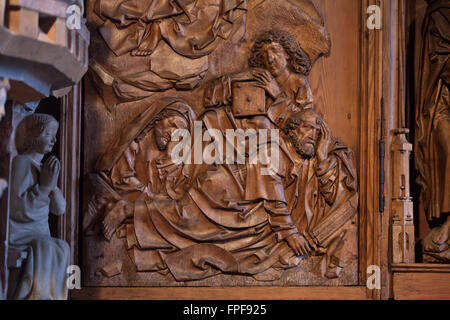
<point>34,194</point>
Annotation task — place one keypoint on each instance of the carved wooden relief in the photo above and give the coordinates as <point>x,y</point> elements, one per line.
<point>174,195</point>
<point>433,131</point>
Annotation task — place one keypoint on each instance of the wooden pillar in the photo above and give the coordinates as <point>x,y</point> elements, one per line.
<point>402,205</point>
<point>70,135</point>
<point>402,224</point>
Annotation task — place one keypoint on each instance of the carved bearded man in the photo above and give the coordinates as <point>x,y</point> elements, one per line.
<point>218,227</point>
<point>323,198</point>
<point>237,221</point>
<point>138,165</point>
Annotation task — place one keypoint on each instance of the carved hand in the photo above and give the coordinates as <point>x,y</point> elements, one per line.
<point>49,174</point>
<point>116,213</point>
<point>324,142</point>
<point>267,82</point>
<point>299,244</point>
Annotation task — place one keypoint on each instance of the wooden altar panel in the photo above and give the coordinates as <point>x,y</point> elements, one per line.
<point>339,83</point>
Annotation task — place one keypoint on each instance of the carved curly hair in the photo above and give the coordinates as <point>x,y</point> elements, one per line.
<point>299,62</point>
<point>297,118</point>
<point>29,129</point>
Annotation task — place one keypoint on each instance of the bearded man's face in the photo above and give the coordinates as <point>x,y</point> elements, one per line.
<point>304,138</point>
<point>304,147</point>
<point>165,128</point>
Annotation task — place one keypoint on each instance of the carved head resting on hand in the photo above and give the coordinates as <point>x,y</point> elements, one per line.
<point>275,50</point>
<point>164,125</point>
<point>303,128</point>
<point>36,133</point>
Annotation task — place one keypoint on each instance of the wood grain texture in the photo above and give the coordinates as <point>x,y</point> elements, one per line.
<point>335,80</point>
<point>261,293</point>
<point>69,144</point>
<point>371,102</point>
<point>421,268</point>
<point>421,282</point>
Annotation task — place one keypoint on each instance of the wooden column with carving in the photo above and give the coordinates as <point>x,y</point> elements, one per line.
<point>402,205</point>
<point>412,279</point>
<point>70,136</point>
<point>402,224</point>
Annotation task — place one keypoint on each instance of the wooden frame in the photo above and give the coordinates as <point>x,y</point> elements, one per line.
<point>371,93</point>
<point>380,78</point>
<point>248,293</point>
<point>70,139</point>
<point>420,281</point>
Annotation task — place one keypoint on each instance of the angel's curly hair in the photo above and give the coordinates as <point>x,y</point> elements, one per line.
<point>299,62</point>
<point>29,129</point>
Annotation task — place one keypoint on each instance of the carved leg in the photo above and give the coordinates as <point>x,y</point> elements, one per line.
<point>150,40</point>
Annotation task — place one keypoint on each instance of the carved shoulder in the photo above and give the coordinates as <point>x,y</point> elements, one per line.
<point>21,166</point>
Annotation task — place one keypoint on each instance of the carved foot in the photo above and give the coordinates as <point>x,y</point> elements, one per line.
<point>436,244</point>
<point>150,41</point>
<point>141,53</point>
<point>116,214</point>
<point>437,240</point>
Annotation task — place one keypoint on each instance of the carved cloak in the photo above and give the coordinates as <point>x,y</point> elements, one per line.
<point>433,106</point>
<point>43,273</point>
<point>192,28</point>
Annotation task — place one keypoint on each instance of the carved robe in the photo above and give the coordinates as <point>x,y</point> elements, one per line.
<point>320,193</point>
<point>203,224</point>
<point>156,31</point>
<point>230,222</point>
<point>433,113</point>
<point>296,95</point>
<point>213,229</point>
<point>323,201</point>
<point>319,200</point>
<point>43,273</point>
<point>191,27</point>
